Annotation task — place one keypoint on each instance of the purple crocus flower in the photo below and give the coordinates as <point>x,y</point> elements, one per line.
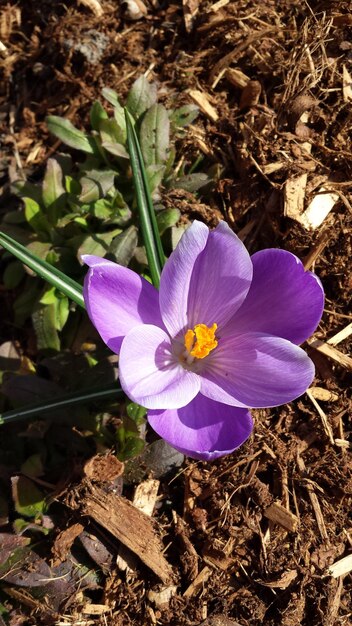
<point>220,335</point>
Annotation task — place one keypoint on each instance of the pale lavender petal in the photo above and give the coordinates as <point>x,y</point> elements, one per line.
<point>203,429</point>
<point>150,374</point>
<point>205,280</point>
<point>176,277</point>
<point>256,370</point>
<point>118,299</point>
<point>284,300</point>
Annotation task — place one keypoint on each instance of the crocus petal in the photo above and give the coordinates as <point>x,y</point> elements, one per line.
<point>205,280</point>
<point>118,299</point>
<point>150,374</point>
<point>203,429</point>
<point>284,300</point>
<point>176,277</point>
<point>256,370</point>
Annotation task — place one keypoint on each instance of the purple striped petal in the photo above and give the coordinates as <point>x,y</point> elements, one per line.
<point>203,429</point>
<point>118,299</point>
<point>205,280</point>
<point>256,370</point>
<point>176,277</point>
<point>284,300</point>
<point>150,374</point>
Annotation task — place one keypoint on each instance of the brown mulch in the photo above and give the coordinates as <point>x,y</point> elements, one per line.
<point>249,538</point>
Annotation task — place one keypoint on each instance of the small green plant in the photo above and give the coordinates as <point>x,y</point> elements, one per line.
<point>88,206</point>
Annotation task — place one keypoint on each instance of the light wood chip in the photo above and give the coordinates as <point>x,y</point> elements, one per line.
<point>327,428</point>
<point>94,6</point>
<point>332,353</point>
<point>201,99</point>
<point>341,567</point>
<point>341,335</point>
<point>198,582</point>
<point>279,515</point>
<point>346,84</point>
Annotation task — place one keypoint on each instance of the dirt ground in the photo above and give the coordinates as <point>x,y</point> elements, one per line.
<point>249,539</point>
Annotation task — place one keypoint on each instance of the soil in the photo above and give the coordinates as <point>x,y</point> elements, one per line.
<point>248,539</point>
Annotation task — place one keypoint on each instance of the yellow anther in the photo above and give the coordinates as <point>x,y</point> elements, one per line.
<point>200,341</point>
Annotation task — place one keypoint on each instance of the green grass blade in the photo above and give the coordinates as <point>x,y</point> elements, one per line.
<point>149,226</point>
<point>66,285</point>
<point>71,399</point>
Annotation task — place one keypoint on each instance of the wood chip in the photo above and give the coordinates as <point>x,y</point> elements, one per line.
<point>103,468</point>
<point>332,353</point>
<point>327,428</point>
<point>95,609</point>
<point>250,94</point>
<point>190,10</point>
<point>279,515</point>
<point>198,582</point>
<point>294,195</point>
<point>63,542</point>
<point>94,6</point>
<point>201,99</point>
<point>319,208</point>
<point>314,500</point>
<point>144,500</point>
<point>341,335</point>
<point>217,6</point>
<point>129,525</point>
<point>163,596</point>
<point>346,84</point>
<point>281,583</point>
<point>237,78</point>
<point>324,395</point>
<point>341,567</point>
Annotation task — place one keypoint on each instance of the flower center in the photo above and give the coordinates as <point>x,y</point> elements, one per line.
<point>200,341</point>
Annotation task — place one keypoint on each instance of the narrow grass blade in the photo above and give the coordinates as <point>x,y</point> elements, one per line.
<point>66,285</point>
<point>149,227</point>
<point>79,397</point>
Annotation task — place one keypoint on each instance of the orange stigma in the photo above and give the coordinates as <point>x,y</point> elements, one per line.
<point>200,341</point>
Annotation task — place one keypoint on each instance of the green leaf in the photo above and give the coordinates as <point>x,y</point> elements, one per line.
<point>49,297</point>
<point>111,132</point>
<point>155,175</point>
<point>33,466</point>
<point>191,182</point>
<point>98,244</point>
<point>28,499</point>
<point>44,325</point>
<point>141,97</point>
<point>166,219</point>
<point>69,134</point>
<point>111,96</point>
<point>184,115</point>
<point>154,135</point>
<point>13,274</point>
<point>148,221</point>
<point>54,193</point>
<point>97,114</point>
<point>96,184</point>
<point>117,149</point>
<point>66,285</point>
<point>123,246</point>
<point>110,392</point>
<point>136,412</point>
<point>26,301</point>
<point>35,217</point>
<point>62,306</point>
